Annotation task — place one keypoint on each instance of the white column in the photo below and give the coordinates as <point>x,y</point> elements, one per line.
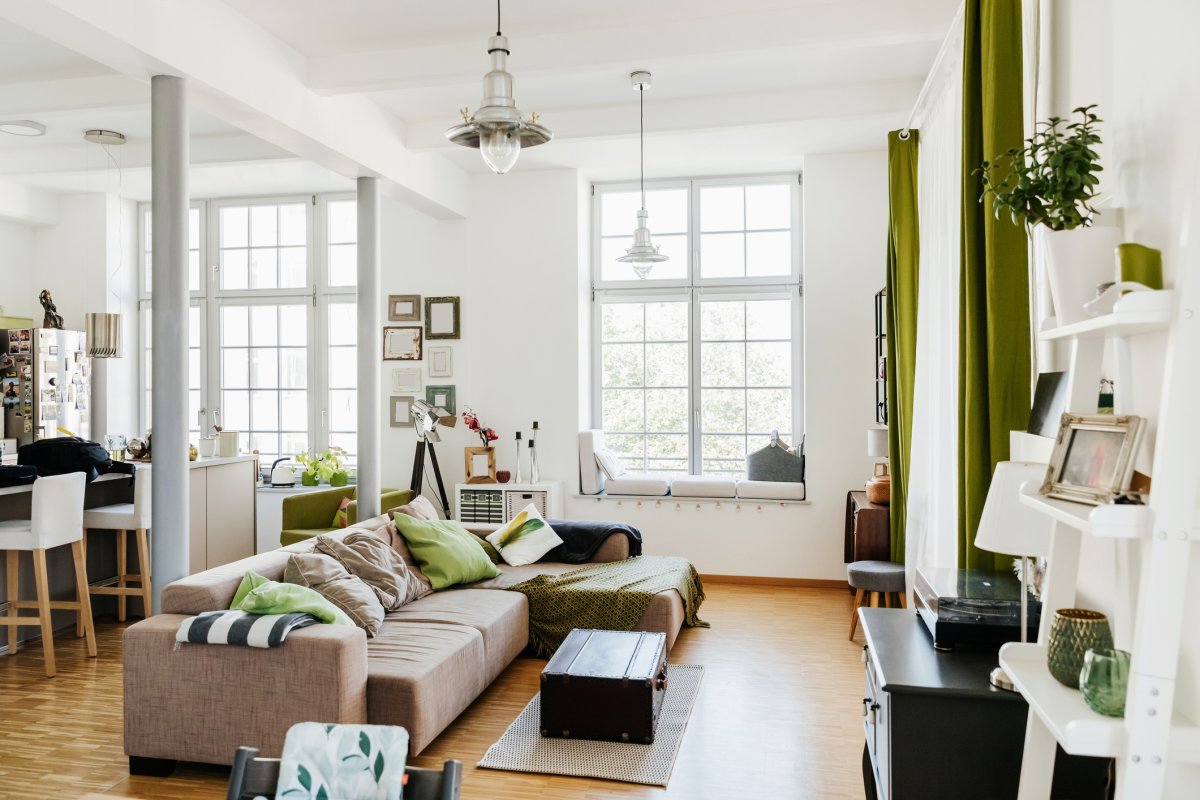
<point>370,348</point>
<point>169,330</point>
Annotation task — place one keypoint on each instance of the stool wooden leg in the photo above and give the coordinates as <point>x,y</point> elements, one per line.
<point>887,599</point>
<point>79,619</point>
<point>84,614</point>
<point>900,597</point>
<point>858,601</point>
<point>13,595</point>
<point>122,550</point>
<point>874,599</point>
<point>143,546</point>
<point>43,602</point>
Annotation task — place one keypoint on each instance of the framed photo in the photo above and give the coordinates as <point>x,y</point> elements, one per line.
<point>401,343</point>
<point>480,464</point>
<point>441,318</point>
<point>441,397</point>
<point>400,411</point>
<point>404,308</point>
<point>441,362</point>
<point>406,381</point>
<point>1093,456</point>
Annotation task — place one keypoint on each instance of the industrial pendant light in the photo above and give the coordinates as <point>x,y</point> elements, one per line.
<point>497,128</point>
<point>644,254</point>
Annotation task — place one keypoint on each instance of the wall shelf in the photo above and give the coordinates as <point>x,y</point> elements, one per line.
<point>1080,731</point>
<point>1129,323</point>
<point>1106,522</point>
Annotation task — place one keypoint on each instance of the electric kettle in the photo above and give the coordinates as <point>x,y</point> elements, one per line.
<point>282,476</point>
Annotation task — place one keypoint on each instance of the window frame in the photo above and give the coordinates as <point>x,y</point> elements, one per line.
<point>695,290</point>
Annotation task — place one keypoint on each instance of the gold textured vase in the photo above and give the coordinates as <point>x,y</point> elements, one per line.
<point>1073,633</point>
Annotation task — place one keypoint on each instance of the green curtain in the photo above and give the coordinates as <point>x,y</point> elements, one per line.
<point>994,360</point>
<point>903,250</point>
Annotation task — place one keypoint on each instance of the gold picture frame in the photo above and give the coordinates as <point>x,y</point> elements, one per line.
<point>1093,457</point>
<point>480,464</point>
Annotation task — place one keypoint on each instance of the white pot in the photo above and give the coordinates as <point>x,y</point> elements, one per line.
<point>1077,261</point>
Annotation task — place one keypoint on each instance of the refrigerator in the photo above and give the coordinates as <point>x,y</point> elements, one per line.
<point>45,382</point>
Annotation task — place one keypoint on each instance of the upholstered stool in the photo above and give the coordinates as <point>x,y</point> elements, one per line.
<point>122,518</point>
<point>56,519</point>
<point>870,580</point>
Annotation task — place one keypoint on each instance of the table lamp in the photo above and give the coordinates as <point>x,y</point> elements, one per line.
<point>879,488</point>
<point>1011,528</point>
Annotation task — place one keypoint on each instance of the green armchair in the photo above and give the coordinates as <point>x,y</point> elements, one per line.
<point>311,513</point>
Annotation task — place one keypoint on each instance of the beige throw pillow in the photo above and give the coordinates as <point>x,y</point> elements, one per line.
<point>379,565</point>
<point>330,579</point>
<point>419,508</point>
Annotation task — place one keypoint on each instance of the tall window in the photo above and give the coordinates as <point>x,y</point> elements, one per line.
<point>272,323</point>
<point>699,364</point>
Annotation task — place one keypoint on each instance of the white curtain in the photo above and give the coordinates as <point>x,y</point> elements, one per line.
<point>932,524</point>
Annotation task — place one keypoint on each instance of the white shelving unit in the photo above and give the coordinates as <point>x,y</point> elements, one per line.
<point>1151,736</point>
<point>490,505</point>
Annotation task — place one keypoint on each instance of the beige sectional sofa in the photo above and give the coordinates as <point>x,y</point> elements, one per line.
<point>433,657</point>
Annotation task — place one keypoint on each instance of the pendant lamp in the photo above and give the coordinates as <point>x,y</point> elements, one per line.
<point>497,129</point>
<point>644,253</point>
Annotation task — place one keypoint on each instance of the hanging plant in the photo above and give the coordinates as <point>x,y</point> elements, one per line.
<point>1051,181</point>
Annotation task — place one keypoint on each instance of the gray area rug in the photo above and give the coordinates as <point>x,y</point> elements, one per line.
<point>522,748</point>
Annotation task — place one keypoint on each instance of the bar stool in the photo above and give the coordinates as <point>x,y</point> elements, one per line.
<point>122,518</point>
<point>56,519</point>
<point>876,579</point>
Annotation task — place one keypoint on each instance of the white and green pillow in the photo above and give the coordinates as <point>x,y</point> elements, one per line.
<point>525,539</point>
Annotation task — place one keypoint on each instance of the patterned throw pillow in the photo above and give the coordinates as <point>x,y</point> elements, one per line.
<point>342,518</point>
<point>525,539</point>
<point>343,762</point>
<point>610,464</point>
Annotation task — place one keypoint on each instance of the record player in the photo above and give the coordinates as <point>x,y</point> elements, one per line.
<point>972,606</point>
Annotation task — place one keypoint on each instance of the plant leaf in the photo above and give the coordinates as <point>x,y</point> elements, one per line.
<point>304,778</point>
<point>379,766</point>
<point>364,743</point>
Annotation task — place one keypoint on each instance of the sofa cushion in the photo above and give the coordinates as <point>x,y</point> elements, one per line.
<point>770,490</point>
<point>422,675</point>
<point>447,553</point>
<point>703,486</point>
<point>642,484</point>
<point>591,478</point>
<point>419,508</point>
<point>525,538</point>
<point>377,564</point>
<point>502,618</point>
<point>610,464</point>
<point>326,576</point>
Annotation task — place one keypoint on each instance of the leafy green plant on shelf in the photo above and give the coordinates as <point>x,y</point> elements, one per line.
<point>326,467</point>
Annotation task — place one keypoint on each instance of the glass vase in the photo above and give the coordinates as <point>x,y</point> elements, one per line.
<point>1104,680</point>
<point>1074,632</point>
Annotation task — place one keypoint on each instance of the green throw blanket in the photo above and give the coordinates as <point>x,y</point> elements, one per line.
<point>609,596</point>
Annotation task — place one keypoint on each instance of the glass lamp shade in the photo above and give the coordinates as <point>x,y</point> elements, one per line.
<point>1007,525</point>
<point>500,149</point>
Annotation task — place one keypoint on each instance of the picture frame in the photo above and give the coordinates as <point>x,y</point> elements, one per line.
<point>442,318</point>
<point>480,463</point>
<point>406,381</point>
<point>441,362</point>
<point>400,411</point>
<point>404,308</point>
<point>442,397</point>
<point>1093,457</point>
<point>401,343</point>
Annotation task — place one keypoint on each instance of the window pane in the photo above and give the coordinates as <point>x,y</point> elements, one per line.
<point>293,265</point>
<point>622,365</point>
<point>666,322</point>
<point>343,264</point>
<point>768,363</point>
<point>235,368</point>
<point>235,327</point>
<point>666,410</point>
<point>622,322</point>
<point>264,369</point>
<point>722,255</point>
<point>722,320</point>
<point>343,410</point>
<point>267,444</point>
<point>294,406</point>
<point>722,208</point>
<point>264,321</point>
<point>343,221</point>
<point>293,326</point>
<point>294,443</point>
<point>630,447</point>
<point>769,207</point>
<point>235,410</point>
<point>723,410</point>
<point>618,212</point>
<point>193,271</point>
<point>292,224</point>
<point>769,319</point>
<point>264,268</point>
<point>668,210</point>
<point>667,365</point>
<point>194,326</point>
<point>234,273</point>
<point>234,222</point>
<point>193,368</point>
<point>723,364</point>
<point>769,410</point>
<point>623,410</point>
<point>293,368</point>
<point>264,410</point>
<point>343,317</point>
<point>343,369</point>
<point>769,253</point>
<point>264,226</point>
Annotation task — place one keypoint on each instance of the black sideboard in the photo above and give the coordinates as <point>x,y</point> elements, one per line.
<point>936,728</point>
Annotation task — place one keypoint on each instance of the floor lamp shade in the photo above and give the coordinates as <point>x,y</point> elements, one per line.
<point>1007,525</point>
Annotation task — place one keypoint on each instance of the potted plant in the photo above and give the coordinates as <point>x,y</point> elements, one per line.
<point>486,435</point>
<point>334,459</point>
<point>325,467</point>
<point>1048,185</point>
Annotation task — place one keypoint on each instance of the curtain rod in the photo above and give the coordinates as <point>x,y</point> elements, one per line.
<point>942,55</point>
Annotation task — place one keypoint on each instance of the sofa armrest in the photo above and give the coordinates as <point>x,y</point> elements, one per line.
<point>313,509</point>
<point>200,702</point>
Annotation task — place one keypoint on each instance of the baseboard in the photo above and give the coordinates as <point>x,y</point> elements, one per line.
<point>791,583</point>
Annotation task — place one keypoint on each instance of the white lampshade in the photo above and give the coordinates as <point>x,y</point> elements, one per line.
<point>877,442</point>
<point>1007,525</point>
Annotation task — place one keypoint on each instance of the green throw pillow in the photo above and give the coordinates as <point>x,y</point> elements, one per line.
<point>490,549</point>
<point>447,552</point>
<point>258,595</point>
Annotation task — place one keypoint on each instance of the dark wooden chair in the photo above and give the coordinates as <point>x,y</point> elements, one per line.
<point>252,777</point>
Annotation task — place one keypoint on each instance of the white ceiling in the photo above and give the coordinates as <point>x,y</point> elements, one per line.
<point>746,87</point>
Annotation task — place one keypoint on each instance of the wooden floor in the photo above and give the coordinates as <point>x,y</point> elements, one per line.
<point>777,716</point>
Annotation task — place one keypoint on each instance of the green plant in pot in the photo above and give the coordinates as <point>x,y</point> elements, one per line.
<point>310,466</point>
<point>1049,185</point>
<point>335,458</point>
<point>324,468</point>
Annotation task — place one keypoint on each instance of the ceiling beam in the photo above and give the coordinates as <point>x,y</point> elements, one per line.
<point>237,148</point>
<point>243,75</point>
<point>812,27</point>
<point>35,98</point>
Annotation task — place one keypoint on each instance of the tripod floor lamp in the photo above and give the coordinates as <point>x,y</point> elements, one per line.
<point>426,419</point>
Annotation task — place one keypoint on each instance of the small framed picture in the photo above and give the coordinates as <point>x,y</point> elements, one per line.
<point>406,381</point>
<point>53,349</point>
<point>480,464</point>
<point>1093,457</point>
<point>441,318</point>
<point>441,397</point>
<point>441,362</point>
<point>404,308</point>
<point>401,343</point>
<point>400,411</point>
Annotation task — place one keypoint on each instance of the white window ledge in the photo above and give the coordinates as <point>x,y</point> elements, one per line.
<point>666,499</point>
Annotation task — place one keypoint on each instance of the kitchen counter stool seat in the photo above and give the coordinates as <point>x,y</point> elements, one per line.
<point>123,518</point>
<point>56,520</point>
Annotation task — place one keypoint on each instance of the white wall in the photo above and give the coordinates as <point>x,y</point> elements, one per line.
<point>17,293</point>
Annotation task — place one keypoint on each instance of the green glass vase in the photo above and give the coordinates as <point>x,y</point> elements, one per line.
<point>1104,681</point>
<point>1073,633</point>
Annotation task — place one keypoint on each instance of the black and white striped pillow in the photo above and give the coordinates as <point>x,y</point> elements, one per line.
<point>242,627</point>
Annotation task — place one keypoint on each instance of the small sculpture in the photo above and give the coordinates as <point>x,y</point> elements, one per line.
<point>53,319</point>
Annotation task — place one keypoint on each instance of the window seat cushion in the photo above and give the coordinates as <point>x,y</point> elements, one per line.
<point>703,486</point>
<point>770,490</point>
<point>642,484</point>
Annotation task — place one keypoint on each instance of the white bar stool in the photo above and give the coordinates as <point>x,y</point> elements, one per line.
<point>122,518</point>
<point>56,519</point>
